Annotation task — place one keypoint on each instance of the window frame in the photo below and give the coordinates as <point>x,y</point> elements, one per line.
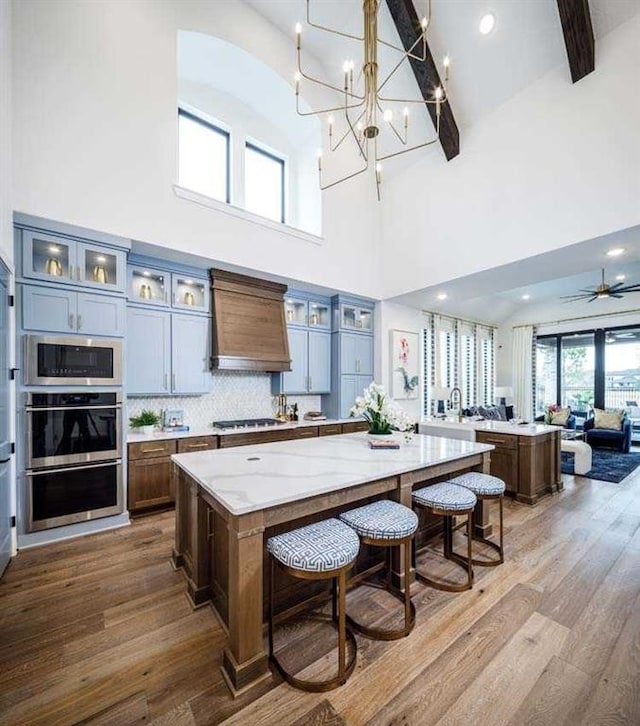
<point>260,149</point>
<point>211,126</point>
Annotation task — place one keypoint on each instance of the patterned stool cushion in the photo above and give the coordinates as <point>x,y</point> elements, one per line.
<point>382,520</point>
<point>445,496</point>
<point>478,483</point>
<point>318,547</point>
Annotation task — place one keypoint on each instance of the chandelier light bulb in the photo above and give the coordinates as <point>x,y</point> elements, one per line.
<point>423,23</point>
<point>297,77</point>
<point>388,115</point>
<point>446,61</point>
<point>378,168</point>
<point>319,153</point>
<point>487,23</point>
<point>298,28</point>
<point>438,94</point>
<point>330,121</point>
<point>359,126</point>
<point>405,111</point>
<point>345,66</point>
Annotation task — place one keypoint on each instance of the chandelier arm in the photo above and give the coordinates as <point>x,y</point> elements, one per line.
<point>390,75</point>
<point>329,30</point>
<point>323,83</point>
<point>408,53</point>
<point>363,153</point>
<point>345,178</point>
<point>403,141</point>
<point>346,133</point>
<point>406,151</point>
<point>324,110</point>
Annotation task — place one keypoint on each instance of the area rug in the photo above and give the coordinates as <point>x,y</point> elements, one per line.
<point>606,465</point>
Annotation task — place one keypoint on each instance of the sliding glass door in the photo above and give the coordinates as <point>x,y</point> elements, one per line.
<point>577,365</point>
<point>622,373</point>
<point>590,369</point>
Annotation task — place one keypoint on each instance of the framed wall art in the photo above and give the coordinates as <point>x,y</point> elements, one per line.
<point>405,376</point>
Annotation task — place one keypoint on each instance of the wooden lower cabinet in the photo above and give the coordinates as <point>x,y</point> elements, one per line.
<point>528,465</point>
<point>150,484</point>
<point>350,428</point>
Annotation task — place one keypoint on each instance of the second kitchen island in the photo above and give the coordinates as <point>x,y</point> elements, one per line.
<point>230,501</point>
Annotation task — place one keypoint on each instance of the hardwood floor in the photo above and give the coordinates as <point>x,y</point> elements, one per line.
<point>98,631</point>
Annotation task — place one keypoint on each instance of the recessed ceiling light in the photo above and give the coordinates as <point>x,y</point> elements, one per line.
<point>487,23</point>
<point>621,277</point>
<point>615,252</point>
<point>146,273</point>
<point>54,249</point>
<point>442,296</point>
<point>526,297</point>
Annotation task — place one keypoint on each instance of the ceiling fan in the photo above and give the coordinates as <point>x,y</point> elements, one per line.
<point>604,290</point>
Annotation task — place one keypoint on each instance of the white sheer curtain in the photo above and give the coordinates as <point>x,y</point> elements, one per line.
<point>522,348</point>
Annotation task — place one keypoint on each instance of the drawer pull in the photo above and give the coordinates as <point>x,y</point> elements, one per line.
<point>494,441</point>
<point>152,451</point>
<point>197,446</point>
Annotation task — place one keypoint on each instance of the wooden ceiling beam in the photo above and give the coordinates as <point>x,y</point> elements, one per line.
<point>407,24</point>
<point>578,37</point>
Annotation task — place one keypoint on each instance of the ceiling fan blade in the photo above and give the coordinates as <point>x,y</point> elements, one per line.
<point>613,294</point>
<point>590,291</point>
<point>574,297</point>
<point>629,288</point>
<point>595,297</point>
<point>616,286</point>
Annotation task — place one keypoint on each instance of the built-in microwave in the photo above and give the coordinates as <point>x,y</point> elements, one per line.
<point>72,361</point>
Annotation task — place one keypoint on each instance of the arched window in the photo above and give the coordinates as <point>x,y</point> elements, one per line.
<point>240,140</point>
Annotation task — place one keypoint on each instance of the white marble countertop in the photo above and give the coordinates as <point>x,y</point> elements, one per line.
<point>133,437</point>
<point>503,427</point>
<point>250,478</point>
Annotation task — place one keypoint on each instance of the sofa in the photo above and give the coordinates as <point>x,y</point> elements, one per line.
<point>498,412</point>
<point>619,439</point>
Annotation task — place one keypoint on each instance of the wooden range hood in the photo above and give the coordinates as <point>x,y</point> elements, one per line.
<point>249,328</point>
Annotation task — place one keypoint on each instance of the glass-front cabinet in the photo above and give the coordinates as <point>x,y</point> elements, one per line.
<point>354,317</point>
<point>307,312</point>
<point>149,286</point>
<point>58,259</point>
<point>189,293</point>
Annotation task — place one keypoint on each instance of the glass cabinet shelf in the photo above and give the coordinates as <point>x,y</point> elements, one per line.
<point>189,294</point>
<point>50,257</point>
<point>148,286</point>
<point>100,267</point>
<point>356,318</point>
<point>295,311</point>
<point>319,315</point>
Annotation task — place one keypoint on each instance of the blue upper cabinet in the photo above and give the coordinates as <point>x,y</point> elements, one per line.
<point>148,286</point>
<point>355,317</point>
<point>59,259</point>
<point>308,311</point>
<point>148,351</point>
<point>190,351</point>
<point>163,288</point>
<point>48,309</point>
<point>308,320</point>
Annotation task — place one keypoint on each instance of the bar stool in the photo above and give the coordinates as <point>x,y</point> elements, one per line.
<point>491,489</point>
<point>320,551</point>
<point>448,500</point>
<point>386,524</point>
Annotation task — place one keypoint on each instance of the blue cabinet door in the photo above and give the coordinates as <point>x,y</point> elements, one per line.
<point>349,391</point>
<point>295,380</point>
<point>364,355</point>
<point>48,309</point>
<point>101,267</point>
<point>148,351</point>
<point>190,351</point>
<point>100,315</point>
<point>319,362</point>
<point>348,353</point>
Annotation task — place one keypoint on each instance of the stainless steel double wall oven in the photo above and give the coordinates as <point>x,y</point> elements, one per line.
<point>73,446</point>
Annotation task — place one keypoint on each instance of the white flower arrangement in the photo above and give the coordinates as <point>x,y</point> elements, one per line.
<point>383,415</point>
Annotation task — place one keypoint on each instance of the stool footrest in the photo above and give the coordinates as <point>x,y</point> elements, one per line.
<point>329,683</point>
<point>382,633</point>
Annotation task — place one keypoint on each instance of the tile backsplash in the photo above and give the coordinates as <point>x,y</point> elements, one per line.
<point>235,394</point>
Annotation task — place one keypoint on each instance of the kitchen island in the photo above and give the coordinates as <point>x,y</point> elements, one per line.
<point>229,501</point>
<point>526,456</point>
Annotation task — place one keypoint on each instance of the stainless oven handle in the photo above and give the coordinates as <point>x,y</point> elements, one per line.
<point>55,470</point>
<point>32,409</point>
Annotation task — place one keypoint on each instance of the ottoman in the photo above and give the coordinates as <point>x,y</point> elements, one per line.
<point>582,452</point>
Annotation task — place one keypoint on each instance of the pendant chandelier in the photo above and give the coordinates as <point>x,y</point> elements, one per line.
<point>367,110</point>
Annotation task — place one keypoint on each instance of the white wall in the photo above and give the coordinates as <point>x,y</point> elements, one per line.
<point>555,165</point>
<point>6,230</point>
<point>95,137</point>
<point>390,316</point>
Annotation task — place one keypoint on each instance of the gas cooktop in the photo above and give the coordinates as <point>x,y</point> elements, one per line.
<point>246,423</point>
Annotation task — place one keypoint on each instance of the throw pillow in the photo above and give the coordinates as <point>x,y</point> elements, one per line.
<point>608,419</point>
<point>560,417</point>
